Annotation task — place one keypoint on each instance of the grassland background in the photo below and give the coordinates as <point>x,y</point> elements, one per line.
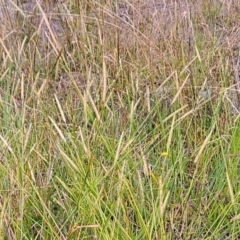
<point>119,119</point>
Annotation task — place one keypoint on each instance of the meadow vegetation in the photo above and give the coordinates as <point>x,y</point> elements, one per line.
<point>119,119</point>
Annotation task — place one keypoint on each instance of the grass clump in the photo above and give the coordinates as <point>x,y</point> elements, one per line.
<point>119,120</point>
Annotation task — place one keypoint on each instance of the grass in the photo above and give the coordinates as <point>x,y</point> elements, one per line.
<point>119,120</point>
